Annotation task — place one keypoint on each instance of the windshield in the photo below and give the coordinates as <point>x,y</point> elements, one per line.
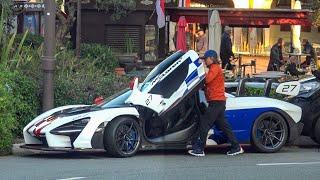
<point>308,88</point>
<point>116,99</point>
<point>160,68</point>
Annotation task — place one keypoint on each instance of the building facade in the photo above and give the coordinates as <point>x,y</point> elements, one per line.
<point>140,26</point>
<point>257,24</point>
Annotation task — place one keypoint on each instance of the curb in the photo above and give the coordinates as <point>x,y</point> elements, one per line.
<point>16,150</point>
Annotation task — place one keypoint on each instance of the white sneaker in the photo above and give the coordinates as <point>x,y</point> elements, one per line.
<point>235,151</point>
<point>196,153</point>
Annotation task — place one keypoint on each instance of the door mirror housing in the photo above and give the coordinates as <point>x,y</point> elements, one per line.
<point>134,83</point>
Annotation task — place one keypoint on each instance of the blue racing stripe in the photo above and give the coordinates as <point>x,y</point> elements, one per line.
<point>197,62</point>
<point>193,75</point>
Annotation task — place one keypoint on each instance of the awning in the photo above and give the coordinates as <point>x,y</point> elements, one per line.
<point>243,17</point>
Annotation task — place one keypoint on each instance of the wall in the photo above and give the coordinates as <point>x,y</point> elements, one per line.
<point>275,33</point>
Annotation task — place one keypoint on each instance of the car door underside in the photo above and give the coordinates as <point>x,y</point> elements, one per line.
<point>177,125</point>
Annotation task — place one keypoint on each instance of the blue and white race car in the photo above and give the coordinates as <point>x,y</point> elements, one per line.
<point>162,113</point>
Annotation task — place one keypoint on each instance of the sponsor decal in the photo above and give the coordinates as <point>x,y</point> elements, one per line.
<point>159,78</point>
<point>42,124</point>
<point>81,116</point>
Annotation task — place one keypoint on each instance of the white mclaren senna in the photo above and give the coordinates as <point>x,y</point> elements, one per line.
<point>162,112</point>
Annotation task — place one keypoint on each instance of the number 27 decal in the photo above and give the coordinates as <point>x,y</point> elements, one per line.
<point>288,88</point>
<point>149,99</point>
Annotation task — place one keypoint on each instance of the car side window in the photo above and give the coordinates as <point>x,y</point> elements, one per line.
<point>172,82</point>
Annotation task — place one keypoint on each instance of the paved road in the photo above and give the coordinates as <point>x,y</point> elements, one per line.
<point>291,163</point>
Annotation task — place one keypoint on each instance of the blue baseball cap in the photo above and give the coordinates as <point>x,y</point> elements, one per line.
<point>210,53</point>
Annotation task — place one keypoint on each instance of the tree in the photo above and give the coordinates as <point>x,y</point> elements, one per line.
<point>116,8</point>
<point>316,15</point>
<point>7,5</point>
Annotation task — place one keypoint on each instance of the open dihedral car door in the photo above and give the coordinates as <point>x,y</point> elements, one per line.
<point>169,82</point>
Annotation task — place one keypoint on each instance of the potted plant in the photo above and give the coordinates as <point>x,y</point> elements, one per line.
<point>129,56</point>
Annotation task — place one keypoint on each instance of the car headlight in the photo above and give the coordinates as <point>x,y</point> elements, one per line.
<point>71,128</point>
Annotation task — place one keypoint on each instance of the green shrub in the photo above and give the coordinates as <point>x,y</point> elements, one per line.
<point>7,121</point>
<point>31,40</point>
<point>26,100</point>
<point>80,81</point>
<point>30,63</point>
<point>250,91</point>
<point>101,55</point>
<point>82,87</point>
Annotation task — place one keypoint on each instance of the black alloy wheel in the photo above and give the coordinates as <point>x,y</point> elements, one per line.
<point>122,137</point>
<point>269,132</point>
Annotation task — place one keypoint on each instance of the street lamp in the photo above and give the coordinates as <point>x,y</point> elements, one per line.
<point>48,60</point>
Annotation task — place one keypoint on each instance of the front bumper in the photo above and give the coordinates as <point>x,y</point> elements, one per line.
<point>46,148</point>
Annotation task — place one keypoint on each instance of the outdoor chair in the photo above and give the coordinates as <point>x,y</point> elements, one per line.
<point>253,66</point>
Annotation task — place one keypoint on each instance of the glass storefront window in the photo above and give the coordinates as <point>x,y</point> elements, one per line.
<point>150,43</point>
<point>31,23</point>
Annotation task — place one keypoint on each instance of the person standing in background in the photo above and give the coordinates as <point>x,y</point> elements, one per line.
<point>308,49</point>
<point>201,42</point>
<point>276,58</point>
<point>226,53</point>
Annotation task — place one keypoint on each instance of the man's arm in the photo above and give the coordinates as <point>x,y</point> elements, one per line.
<point>229,47</point>
<point>275,55</point>
<point>211,75</point>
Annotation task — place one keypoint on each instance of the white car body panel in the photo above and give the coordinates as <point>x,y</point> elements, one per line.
<point>157,102</point>
<point>83,141</point>
<point>237,103</point>
<point>31,140</point>
<point>141,96</point>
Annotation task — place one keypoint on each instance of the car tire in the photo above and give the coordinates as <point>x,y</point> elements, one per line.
<point>269,132</point>
<point>122,137</point>
<point>316,137</point>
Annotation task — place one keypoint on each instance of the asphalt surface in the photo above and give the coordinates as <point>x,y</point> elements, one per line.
<point>290,163</point>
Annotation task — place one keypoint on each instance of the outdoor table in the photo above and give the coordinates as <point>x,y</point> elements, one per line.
<point>298,56</point>
<point>273,73</point>
<point>267,76</point>
<point>270,75</point>
<point>240,54</point>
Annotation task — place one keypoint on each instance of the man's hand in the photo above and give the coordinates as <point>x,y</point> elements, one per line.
<point>206,69</point>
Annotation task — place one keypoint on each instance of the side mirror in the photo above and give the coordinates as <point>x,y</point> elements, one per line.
<point>134,83</point>
<point>98,100</point>
<point>289,88</point>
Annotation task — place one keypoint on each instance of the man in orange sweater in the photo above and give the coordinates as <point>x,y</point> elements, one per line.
<point>215,113</point>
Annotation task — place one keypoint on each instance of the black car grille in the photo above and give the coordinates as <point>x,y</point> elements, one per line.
<point>44,141</point>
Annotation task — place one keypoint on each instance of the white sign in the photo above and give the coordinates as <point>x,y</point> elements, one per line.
<point>146,2</point>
